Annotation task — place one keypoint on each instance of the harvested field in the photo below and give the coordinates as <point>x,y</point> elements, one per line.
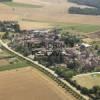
<point>52,11</point>
<point>29,84</point>
<point>34,25</point>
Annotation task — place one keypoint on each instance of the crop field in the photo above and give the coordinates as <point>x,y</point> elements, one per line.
<point>47,13</point>
<point>15,4</point>
<point>84,28</point>
<point>29,84</point>
<point>34,25</point>
<point>88,80</point>
<point>52,11</point>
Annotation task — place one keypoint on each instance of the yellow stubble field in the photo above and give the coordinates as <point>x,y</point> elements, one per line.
<point>29,84</point>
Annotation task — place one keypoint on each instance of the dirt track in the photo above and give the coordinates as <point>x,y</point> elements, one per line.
<point>29,84</point>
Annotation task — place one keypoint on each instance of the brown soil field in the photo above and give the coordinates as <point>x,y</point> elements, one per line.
<point>52,11</point>
<point>30,84</point>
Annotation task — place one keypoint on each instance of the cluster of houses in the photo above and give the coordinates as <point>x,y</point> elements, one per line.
<point>9,26</point>
<point>83,54</point>
<point>42,43</point>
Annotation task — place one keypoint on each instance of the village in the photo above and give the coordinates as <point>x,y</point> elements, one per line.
<point>52,49</point>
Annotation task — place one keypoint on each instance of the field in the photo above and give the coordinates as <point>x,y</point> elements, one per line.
<point>88,80</point>
<point>84,28</point>
<point>29,84</point>
<point>52,12</point>
<point>9,61</point>
<point>15,4</point>
<point>34,25</point>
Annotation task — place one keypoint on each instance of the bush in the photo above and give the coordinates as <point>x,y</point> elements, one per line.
<point>85,11</point>
<point>84,91</point>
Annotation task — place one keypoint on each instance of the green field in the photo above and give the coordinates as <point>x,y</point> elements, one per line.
<point>85,28</point>
<point>15,4</point>
<point>14,66</point>
<point>9,61</point>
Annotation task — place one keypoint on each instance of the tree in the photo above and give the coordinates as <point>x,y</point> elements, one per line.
<point>84,91</point>
<point>85,11</point>
<point>98,52</point>
<point>71,40</point>
<point>96,47</point>
<point>92,3</point>
<point>68,74</point>
<point>55,57</point>
<point>16,27</point>
<point>74,64</point>
<point>22,49</point>
<point>5,36</point>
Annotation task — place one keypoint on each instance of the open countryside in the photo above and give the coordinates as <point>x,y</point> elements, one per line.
<point>25,82</point>
<point>55,11</point>
<point>49,50</point>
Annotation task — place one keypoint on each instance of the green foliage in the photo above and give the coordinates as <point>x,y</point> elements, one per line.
<point>55,57</point>
<point>23,50</point>
<point>71,40</point>
<point>85,11</point>
<point>6,0</point>
<point>84,90</point>
<point>6,34</point>
<point>14,4</point>
<point>74,64</point>
<point>98,52</point>
<point>64,72</point>
<point>16,27</point>
<point>96,47</point>
<point>93,3</point>
<point>13,66</point>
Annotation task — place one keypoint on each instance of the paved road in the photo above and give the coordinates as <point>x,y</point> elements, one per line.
<point>34,62</point>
